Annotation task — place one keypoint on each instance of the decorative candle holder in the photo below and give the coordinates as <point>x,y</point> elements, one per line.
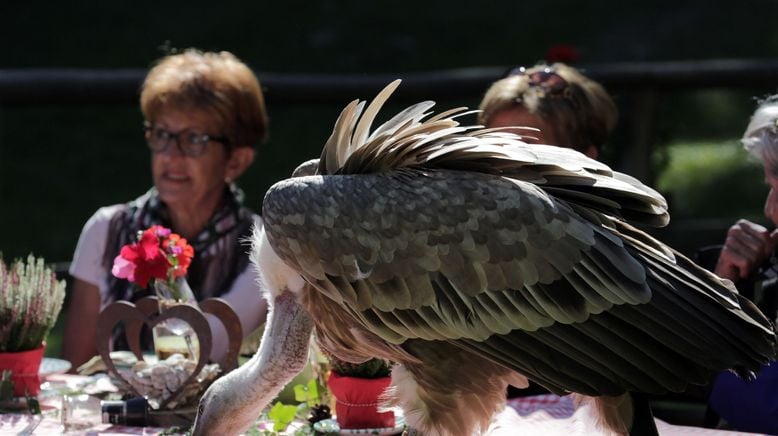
<point>146,312</point>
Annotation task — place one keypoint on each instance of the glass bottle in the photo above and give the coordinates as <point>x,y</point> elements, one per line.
<point>175,336</point>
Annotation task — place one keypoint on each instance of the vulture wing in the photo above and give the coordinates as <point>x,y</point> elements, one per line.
<point>510,272</point>
<point>429,231</point>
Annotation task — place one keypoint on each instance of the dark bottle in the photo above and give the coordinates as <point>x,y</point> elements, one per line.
<point>133,412</point>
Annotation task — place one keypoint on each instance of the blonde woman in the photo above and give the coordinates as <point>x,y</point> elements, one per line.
<point>569,109</point>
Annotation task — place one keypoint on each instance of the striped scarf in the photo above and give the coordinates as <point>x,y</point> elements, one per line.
<point>219,257</point>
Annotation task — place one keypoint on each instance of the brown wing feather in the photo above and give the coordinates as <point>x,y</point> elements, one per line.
<point>410,254</point>
<point>406,141</point>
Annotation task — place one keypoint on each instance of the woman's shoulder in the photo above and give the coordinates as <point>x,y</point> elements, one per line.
<point>96,226</point>
<point>87,258</point>
<point>105,213</point>
<point>102,217</point>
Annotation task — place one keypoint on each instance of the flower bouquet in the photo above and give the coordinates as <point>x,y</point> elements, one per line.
<point>30,301</point>
<point>182,334</point>
<point>161,259</point>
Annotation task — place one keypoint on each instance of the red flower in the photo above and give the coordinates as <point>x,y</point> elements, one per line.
<point>182,252</point>
<point>158,254</point>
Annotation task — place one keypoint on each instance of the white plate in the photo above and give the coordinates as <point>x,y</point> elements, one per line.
<point>50,365</point>
<point>331,425</point>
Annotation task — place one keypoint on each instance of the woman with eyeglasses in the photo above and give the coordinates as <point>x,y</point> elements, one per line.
<point>569,109</point>
<point>205,114</point>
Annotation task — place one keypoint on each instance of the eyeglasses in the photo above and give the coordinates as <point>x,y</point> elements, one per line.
<point>546,79</point>
<point>189,143</point>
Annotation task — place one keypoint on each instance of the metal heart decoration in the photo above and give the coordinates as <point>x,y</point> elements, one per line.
<point>135,317</point>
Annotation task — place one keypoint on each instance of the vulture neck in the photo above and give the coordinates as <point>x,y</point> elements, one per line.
<point>283,351</point>
<point>233,403</point>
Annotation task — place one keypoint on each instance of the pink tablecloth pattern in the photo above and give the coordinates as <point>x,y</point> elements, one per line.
<point>49,422</point>
<point>550,415</point>
<point>16,424</point>
<point>545,415</point>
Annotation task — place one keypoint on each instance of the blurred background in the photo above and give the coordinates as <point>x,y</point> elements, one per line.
<point>684,74</point>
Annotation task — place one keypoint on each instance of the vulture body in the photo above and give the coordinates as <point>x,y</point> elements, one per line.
<point>474,260</point>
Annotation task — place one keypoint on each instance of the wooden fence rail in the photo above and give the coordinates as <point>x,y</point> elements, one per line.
<point>26,86</point>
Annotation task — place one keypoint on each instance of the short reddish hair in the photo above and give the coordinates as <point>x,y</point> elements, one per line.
<point>217,83</point>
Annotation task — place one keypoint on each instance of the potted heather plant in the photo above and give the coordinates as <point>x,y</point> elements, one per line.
<point>357,389</point>
<point>30,301</point>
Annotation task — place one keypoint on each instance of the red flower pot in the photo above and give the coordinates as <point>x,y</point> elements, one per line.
<point>25,366</point>
<point>356,401</point>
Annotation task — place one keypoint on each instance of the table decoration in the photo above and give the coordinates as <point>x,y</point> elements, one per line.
<point>30,301</point>
<point>160,259</point>
<point>159,381</point>
<point>132,412</point>
<point>146,313</point>
<point>357,389</point>
<point>182,335</point>
<point>352,389</point>
<point>79,412</point>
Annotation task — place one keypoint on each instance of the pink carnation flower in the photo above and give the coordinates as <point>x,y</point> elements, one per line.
<point>123,268</point>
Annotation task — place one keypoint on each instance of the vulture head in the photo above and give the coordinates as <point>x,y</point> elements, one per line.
<point>474,260</point>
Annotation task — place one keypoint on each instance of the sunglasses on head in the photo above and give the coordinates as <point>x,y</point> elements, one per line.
<point>547,79</point>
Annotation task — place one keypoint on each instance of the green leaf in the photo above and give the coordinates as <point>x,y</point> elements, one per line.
<point>282,415</point>
<point>308,394</point>
<point>313,392</point>
<point>300,393</point>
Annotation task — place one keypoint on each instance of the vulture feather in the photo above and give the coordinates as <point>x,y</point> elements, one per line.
<point>474,260</point>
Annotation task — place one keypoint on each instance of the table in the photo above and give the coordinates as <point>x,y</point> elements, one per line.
<point>48,423</point>
<point>546,415</point>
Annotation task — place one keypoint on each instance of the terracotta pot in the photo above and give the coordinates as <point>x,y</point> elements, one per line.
<point>356,401</point>
<point>25,366</point>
